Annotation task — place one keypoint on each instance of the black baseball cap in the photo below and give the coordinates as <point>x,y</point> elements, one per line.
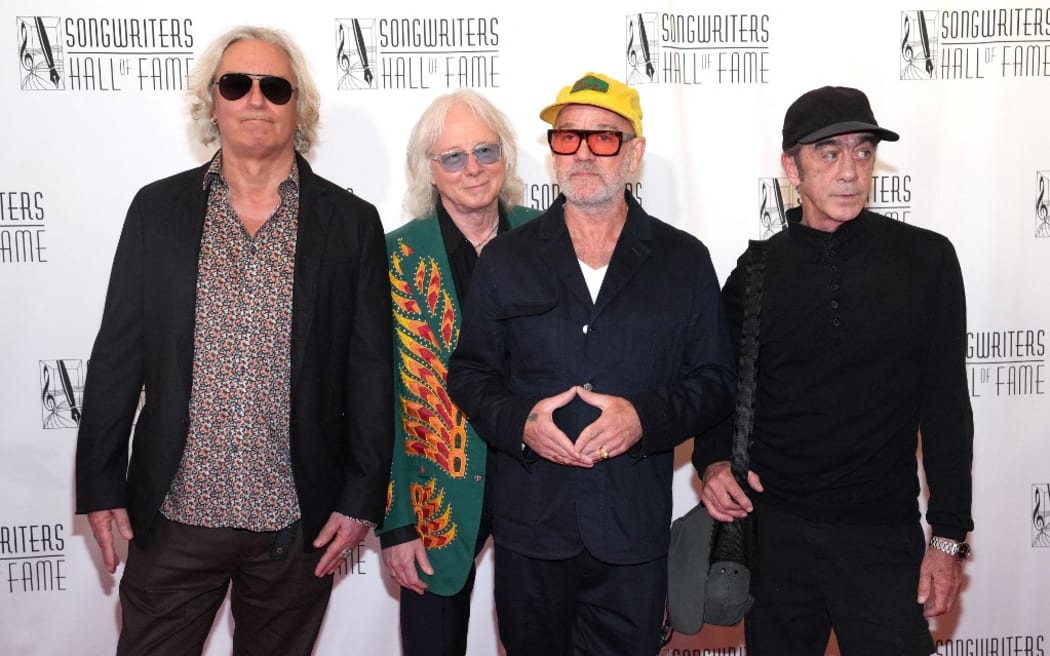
<point>828,111</point>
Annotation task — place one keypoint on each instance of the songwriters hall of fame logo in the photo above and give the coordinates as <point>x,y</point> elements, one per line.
<point>417,53</point>
<point>642,49</point>
<point>1042,204</point>
<point>40,53</point>
<point>974,44</point>
<point>1041,515</point>
<point>61,392</point>
<point>694,49</point>
<point>918,47</point>
<point>356,57</point>
<point>87,53</point>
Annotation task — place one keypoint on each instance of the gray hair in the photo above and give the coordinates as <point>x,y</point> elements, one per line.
<point>307,98</point>
<point>422,196</point>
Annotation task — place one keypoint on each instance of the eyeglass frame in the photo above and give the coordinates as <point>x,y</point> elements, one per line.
<point>585,135</point>
<point>256,77</point>
<point>473,152</point>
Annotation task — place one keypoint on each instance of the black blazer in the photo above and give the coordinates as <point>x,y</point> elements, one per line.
<point>656,335</point>
<point>341,433</point>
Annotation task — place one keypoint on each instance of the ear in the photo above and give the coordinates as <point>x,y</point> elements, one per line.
<point>637,151</point>
<point>791,169</point>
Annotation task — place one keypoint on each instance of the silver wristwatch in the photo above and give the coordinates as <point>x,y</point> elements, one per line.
<point>958,549</point>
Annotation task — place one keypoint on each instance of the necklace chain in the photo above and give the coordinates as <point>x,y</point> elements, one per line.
<point>487,238</point>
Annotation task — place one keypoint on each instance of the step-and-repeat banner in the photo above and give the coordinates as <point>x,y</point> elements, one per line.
<point>94,106</point>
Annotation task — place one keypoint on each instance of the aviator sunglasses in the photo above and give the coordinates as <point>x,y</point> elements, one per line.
<point>602,143</point>
<point>234,86</point>
<point>453,161</point>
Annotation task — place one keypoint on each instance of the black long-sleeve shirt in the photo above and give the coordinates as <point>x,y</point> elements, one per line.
<point>862,347</point>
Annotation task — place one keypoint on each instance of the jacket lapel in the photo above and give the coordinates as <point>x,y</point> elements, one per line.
<point>190,205</point>
<point>557,249</point>
<point>632,250</point>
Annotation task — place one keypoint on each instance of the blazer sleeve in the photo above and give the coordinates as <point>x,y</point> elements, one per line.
<point>369,366</point>
<point>115,377</point>
<point>705,390</point>
<point>477,376</point>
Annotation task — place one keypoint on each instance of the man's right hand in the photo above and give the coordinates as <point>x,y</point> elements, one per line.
<point>544,437</point>
<point>723,497</point>
<point>400,561</point>
<point>101,522</point>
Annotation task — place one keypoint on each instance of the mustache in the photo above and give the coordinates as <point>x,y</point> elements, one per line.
<point>584,167</point>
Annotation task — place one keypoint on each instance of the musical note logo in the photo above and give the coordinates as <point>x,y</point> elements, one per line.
<point>1041,515</point>
<point>1042,206</point>
<point>41,63</point>
<point>355,53</point>
<point>918,50</point>
<point>641,51</point>
<point>61,392</point>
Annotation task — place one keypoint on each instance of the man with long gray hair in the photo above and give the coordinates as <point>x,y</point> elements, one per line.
<point>463,186</point>
<point>249,298</point>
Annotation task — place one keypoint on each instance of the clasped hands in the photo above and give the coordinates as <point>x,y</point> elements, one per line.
<point>610,435</point>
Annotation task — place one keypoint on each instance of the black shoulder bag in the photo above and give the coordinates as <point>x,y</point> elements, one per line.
<point>709,562</point>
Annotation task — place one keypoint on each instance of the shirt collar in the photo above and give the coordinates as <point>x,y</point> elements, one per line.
<point>214,175</point>
<point>845,232</point>
<point>453,236</point>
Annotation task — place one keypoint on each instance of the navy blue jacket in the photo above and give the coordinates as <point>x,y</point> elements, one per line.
<point>657,336</point>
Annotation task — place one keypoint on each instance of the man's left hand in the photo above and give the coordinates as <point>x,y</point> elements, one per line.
<point>940,579</point>
<point>341,534</point>
<point>613,433</point>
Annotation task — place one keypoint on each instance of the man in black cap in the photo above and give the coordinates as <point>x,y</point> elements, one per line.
<point>861,349</point>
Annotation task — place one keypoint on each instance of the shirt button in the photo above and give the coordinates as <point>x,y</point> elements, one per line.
<point>834,286</point>
<point>834,268</point>
<point>834,305</point>
<point>831,252</point>
<point>588,386</point>
<point>584,329</point>
<point>835,322</point>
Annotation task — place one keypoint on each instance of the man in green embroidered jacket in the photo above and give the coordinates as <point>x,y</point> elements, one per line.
<point>461,168</point>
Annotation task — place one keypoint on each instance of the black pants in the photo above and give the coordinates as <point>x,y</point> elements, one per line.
<point>860,580</point>
<point>433,625</point>
<point>171,590</point>
<point>579,606</point>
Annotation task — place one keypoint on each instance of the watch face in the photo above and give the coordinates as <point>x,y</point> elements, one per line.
<point>964,550</point>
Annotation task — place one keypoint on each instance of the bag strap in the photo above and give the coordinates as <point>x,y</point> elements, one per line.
<point>746,372</point>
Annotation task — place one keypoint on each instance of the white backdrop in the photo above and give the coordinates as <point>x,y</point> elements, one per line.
<point>100,110</point>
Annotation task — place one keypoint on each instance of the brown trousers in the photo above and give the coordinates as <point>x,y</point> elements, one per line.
<point>171,590</point>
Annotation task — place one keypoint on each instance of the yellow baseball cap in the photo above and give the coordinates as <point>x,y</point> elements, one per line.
<point>599,91</point>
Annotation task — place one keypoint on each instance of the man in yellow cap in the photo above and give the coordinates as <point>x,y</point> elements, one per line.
<point>593,343</point>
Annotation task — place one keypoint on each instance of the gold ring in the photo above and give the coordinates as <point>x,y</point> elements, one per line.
<point>603,453</point>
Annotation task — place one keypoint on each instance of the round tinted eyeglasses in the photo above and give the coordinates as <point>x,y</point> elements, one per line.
<point>601,143</point>
<point>234,86</point>
<point>453,161</point>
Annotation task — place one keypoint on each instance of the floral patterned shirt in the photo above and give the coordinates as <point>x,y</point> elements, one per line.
<point>236,468</point>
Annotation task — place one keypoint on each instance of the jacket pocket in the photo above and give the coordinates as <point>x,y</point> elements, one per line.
<point>526,309</point>
<point>532,343</point>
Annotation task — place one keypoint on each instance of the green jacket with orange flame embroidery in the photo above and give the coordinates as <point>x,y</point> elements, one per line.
<point>437,479</point>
